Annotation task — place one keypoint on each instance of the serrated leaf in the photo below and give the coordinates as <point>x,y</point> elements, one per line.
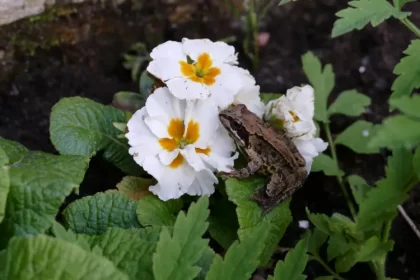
<point>397,131</point>
<point>131,250</point>
<point>316,239</point>
<point>80,126</point>
<point>322,79</point>
<point>223,222</point>
<point>359,188</point>
<point>350,103</point>
<point>294,263</point>
<point>416,162</point>
<point>60,232</point>
<point>337,246</point>
<point>4,182</point>
<point>39,183</point>
<point>407,104</point>
<point>151,211</point>
<point>249,215</point>
<point>327,165</point>
<point>205,263</point>
<point>267,97</point>
<point>128,101</point>
<point>358,136</point>
<point>177,254</point>
<point>408,70</point>
<point>382,201</point>
<point>94,214</point>
<point>135,187</point>
<point>361,13</point>
<point>241,259</point>
<point>42,257</point>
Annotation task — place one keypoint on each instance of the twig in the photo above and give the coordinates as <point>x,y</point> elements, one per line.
<point>409,220</point>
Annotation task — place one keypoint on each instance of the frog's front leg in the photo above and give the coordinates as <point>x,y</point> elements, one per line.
<point>251,168</point>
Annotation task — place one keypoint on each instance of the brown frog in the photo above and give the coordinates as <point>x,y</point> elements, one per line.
<point>270,152</point>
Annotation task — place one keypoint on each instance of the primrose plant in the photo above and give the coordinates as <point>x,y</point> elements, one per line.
<point>169,141</point>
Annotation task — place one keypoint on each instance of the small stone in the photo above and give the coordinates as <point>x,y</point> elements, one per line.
<point>304,224</point>
<point>365,133</point>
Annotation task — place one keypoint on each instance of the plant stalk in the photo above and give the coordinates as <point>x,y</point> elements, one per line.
<point>328,268</point>
<point>339,177</point>
<point>253,29</point>
<point>410,25</point>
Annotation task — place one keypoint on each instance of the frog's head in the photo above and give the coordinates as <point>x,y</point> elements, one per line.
<point>232,119</point>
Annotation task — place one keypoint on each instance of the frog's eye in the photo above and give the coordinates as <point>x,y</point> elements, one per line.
<point>236,125</point>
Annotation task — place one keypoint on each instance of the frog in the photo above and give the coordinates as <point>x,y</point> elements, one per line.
<point>269,151</point>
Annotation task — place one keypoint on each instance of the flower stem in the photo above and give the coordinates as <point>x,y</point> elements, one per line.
<point>410,25</point>
<point>253,29</point>
<point>339,177</point>
<point>327,267</point>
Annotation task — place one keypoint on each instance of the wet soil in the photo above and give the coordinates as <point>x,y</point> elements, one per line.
<point>86,61</point>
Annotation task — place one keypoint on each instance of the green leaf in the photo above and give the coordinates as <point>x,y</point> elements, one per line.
<point>131,250</point>
<point>359,188</point>
<point>267,97</point>
<point>407,104</point>
<point>42,257</point>
<point>408,70</point>
<point>397,131</point>
<point>14,150</point>
<point>337,246</point>
<point>80,126</point>
<point>39,183</point>
<point>134,187</point>
<point>223,222</point>
<point>350,103</point>
<point>316,239</point>
<point>323,82</point>
<point>151,211</point>
<point>357,137</point>
<point>361,13</point>
<point>60,232</point>
<point>205,263</point>
<point>128,101</point>
<point>177,254</point>
<point>240,260</point>
<point>416,162</point>
<point>94,214</point>
<point>249,215</point>
<point>326,164</point>
<point>146,83</point>
<point>4,182</point>
<point>294,263</point>
<point>381,202</point>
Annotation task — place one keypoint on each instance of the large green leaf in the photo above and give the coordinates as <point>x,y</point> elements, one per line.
<point>4,182</point>
<point>42,257</point>
<point>131,250</point>
<point>357,137</point>
<point>94,214</point>
<point>408,70</point>
<point>322,79</point>
<point>80,126</point>
<point>240,260</point>
<point>249,215</point>
<point>350,103</point>
<point>14,150</point>
<point>135,187</point>
<point>294,264</point>
<point>151,211</point>
<point>177,253</point>
<point>39,183</point>
<point>362,12</point>
<point>327,165</point>
<point>381,202</point>
<point>223,223</point>
<point>407,104</point>
<point>397,131</point>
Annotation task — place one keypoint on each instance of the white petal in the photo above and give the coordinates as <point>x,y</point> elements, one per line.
<point>163,103</point>
<point>203,183</point>
<point>250,96</point>
<point>158,125</point>
<point>303,99</point>
<point>220,52</point>
<point>184,88</point>
<point>192,158</point>
<point>206,114</point>
<point>165,69</point>
<point>154,167</point>
<point>310,149</point>
<point>167,157</point>
<point>169,49</point>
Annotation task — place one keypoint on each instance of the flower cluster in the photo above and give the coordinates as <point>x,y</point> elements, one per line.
<point>294,111</point>
<point>177,136</point>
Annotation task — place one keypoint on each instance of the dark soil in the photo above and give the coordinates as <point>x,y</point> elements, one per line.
<point>87,62</point>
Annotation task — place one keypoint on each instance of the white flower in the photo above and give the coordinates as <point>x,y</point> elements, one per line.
<point>198,69</point>
<point>180,143</point>
<point>295,112</point>
<point>249,95</point>
<point>309,149</point>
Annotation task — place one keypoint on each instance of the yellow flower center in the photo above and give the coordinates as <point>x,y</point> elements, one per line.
<point>201,71</point>
<point>176,130</point>
<point>294,116</point>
